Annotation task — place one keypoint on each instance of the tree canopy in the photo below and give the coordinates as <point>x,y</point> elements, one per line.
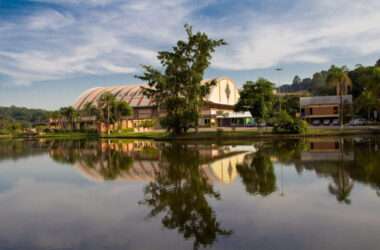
<point>178,89</point>
<point>257,98</point>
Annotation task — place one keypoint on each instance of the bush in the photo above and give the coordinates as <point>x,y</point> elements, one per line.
<point>284,124</point>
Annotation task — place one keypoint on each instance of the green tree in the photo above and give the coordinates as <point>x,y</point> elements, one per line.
<point>257,98</point>
<point>367,100</point>
<point>106,100</point>
<point>377,64</point>
<point>70,114</point>
<point>297,80</point>
<point>178,90</point>
<point>90,110</point>
<point>341,81</point>
<point>121,109</point>
<point>56,116</point>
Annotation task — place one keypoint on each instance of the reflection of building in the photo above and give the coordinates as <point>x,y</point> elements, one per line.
<point>326,151</point>
<point>219,166</point>
<point>218,104</point>
<point>324,108</point>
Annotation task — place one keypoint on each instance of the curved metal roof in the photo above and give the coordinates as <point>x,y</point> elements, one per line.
<point>132,94</point>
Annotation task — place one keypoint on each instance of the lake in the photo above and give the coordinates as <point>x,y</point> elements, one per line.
<point>321,193</point>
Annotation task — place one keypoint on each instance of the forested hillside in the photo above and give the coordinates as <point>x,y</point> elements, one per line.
<point>362,77</point>
<point>22,115</point>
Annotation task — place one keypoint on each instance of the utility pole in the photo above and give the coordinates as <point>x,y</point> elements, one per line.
<point>279,86</point>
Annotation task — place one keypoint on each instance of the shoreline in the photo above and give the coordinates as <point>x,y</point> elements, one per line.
<point>208,136</point>
<point>228,135</point>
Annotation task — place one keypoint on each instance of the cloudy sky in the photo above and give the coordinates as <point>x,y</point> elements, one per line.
<point>52,50</point>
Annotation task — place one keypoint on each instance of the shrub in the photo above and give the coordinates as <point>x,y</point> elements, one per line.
<point>284,124</point>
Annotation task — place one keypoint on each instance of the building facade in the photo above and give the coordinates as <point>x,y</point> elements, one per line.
<point>324,110</point>
<point>218,109</point>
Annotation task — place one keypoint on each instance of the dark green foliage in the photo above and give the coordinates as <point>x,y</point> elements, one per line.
<point>178,90</point>
<point>377,63</point>
<point>22,114</point>
<point>257,98</point>
<point>289,103</point>
<point>284,124</point>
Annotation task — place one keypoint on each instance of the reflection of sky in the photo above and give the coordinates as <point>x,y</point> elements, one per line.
<point>48,205</point>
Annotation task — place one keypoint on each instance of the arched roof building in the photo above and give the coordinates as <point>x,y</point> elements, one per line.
<point>221,100</point>
<point>225,92</point>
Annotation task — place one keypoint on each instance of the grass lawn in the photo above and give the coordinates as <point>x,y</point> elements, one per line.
<point>68,134</point>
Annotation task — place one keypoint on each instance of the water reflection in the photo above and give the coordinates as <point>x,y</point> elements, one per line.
<point>257,173</point>
<point>180,180</point>
<point>181,194</point>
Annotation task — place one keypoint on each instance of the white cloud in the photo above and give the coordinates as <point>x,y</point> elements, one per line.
<point>312,31</point>
<point>110,36</point>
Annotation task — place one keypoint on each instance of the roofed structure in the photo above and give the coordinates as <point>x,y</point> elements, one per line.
<point>225,92</point>
<point>317,100</point>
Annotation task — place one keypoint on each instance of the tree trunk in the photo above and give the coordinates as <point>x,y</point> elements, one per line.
<point>341,112</point>
<point>108,119</point>
<point>197,122</point>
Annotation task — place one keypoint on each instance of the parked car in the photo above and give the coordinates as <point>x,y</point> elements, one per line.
<point>335,122</point>
<point>357,122</point>
<point>316,122</point>
<point>326,122</point>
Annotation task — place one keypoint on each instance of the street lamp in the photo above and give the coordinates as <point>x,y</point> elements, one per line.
<point>279,86</point>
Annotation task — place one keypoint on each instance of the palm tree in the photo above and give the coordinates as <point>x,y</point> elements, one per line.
<point>69,113</point>
<point>55,116</point>
<point>338,77</point>
<point>107,99</point>
<point>90,110</point>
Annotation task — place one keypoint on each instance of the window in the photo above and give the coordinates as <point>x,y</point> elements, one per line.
<point>206,121</point>
<point>336,110</point>
<point>311,111</point>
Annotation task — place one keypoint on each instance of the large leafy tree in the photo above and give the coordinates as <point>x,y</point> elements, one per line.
<point>257,98</point>
<point>341,81</point>
<point>367,100</point>
<point>178,90</point>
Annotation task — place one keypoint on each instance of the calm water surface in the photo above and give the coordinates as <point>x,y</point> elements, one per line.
<point>292,194</point>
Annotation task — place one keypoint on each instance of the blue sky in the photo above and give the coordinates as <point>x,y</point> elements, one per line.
<point>52,50</point>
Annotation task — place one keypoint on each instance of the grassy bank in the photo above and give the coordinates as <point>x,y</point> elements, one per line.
<point>63,135</point>
<point>239,135</point>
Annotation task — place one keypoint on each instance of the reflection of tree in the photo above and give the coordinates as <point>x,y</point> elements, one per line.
<point>258,176</point>
<point>110,163</point>
<point>114,163</point>
<point>181,195</point>
<point>342,186</point>
<point>287,151</point>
